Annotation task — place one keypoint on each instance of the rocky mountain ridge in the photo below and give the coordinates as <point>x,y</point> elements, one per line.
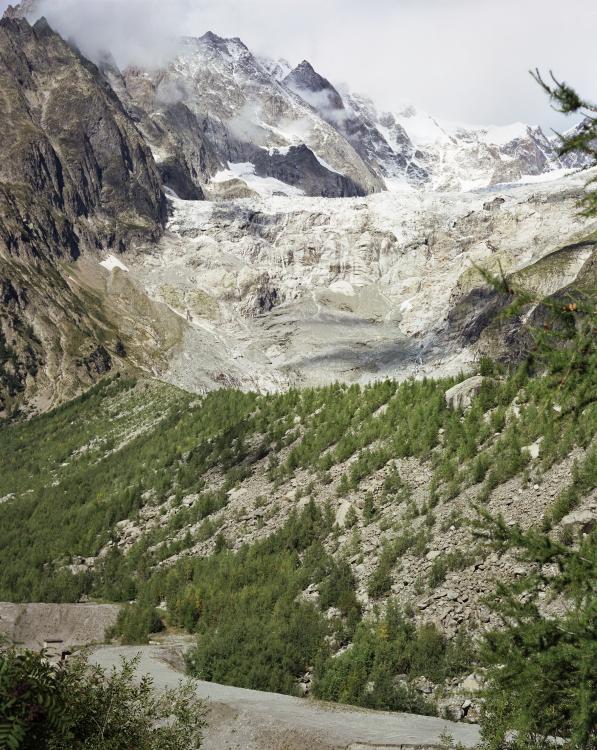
<point>272,115</point>
<point>215,104</point>
<point>249,117</point>
<point>76,178</point>
<point>91,167</point>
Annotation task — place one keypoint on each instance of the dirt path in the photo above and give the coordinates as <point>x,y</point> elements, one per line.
<point>251,720</point>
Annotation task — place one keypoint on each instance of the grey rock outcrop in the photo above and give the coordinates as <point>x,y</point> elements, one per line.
<point>314,88</point>
<point>392,155</point>
<point>299,167</point>
<point>461,395</point>
<point>581,521</point>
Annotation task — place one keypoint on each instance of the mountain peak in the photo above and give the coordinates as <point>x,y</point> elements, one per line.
<point>214,40</point>
<point>306,66</point>
<point>24,9</point>
<point>306,81</point>
<point>210,37</point>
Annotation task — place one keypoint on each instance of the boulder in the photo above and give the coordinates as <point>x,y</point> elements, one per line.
<point>534,449</point>
<point>423,685</point>
<point>342,513</point>
<point>472,684</point>
<point>461,395</point>
<point>582,521</point>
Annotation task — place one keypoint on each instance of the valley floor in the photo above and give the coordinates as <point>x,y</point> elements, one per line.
<point>242,719</point>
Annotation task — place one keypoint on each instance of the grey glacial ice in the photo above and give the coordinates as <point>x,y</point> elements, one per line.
<point>278,291</point>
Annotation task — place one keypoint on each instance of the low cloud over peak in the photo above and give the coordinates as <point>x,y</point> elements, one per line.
<point>462,60</point>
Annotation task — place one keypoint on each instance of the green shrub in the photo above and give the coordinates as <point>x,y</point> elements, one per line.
<point>383,648</point>
<point>77,706</point>
<point>136,622</point>
<point>380,582</point>
<point>437,574</point>
<point>369,509</point>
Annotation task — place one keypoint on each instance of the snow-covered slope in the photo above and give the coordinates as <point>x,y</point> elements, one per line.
<point>412,148</point>
<point>448,156</point>
<point>462,156</point>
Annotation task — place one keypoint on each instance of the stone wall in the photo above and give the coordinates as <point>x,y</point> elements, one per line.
<point>33,625</point>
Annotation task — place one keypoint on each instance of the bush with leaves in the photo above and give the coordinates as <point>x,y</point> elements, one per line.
<point>584,140</point>
<point>79,706</point>
<point>32,706</point>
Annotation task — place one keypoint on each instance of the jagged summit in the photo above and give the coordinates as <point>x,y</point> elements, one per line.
<point>220,42</point>
<point>305,81</point>
<point>243,115</point>
<point>209,36</point>
<point>220,104</point>
<point>29,9</point>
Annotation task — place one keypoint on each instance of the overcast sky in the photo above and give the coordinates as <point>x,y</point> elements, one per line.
<point>461,60</point>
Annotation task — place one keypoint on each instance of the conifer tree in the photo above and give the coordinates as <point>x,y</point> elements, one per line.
<point>542,665</point>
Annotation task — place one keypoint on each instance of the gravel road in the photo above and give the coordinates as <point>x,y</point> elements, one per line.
<point>240,719</point>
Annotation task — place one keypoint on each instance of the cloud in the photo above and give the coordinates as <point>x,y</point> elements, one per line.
<point>171,92</point>
<point>324,103</point>
<point>461,60</point>
<point>244,126</point>
<point>133,32</point>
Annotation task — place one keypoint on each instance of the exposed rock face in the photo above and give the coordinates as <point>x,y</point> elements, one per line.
<point>185,157</point>
<point>22,9</point>
<point>240,110</point>
<point>76,177</point>
<point>576,159</point>
<point>299,167</point>
<point>581,521</point>
<point>461,395</point>
<point>356,121</point>
<point>411,147</point>
<point>476,317</point>
<point>384,143</point>
<point>74,171</point>
<point>313,88</point>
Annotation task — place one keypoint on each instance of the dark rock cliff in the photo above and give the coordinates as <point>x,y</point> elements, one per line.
<point>75,173</point>
<point>76,177</point>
